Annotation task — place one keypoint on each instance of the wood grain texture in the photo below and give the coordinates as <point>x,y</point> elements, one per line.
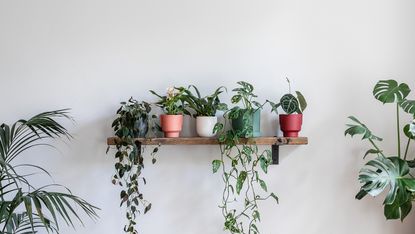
<point>214,141</point>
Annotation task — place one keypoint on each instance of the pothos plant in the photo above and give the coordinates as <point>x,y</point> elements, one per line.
<point>390,172</point>
<point>241,170</point>
<point>244,94</point>
<point>134,119</point>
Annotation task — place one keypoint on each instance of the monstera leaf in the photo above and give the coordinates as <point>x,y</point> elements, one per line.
<point>360,129</point>
<point>289,103</point>
<point>408,106</point>
<point>388,91</point>
<point>393,173</point>
<point>409,131</point>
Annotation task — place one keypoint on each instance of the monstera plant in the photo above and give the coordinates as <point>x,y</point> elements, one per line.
<point>390,172</point>
<point>25,208</point>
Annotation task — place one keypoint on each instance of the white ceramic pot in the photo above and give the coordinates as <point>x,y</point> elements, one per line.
<point>205,125</point>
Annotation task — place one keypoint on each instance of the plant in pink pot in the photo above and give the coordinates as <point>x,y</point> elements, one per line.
<point>173,105</point>
<point>293,106</point>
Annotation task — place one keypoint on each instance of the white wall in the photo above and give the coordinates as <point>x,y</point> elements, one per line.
<point>90,55</point>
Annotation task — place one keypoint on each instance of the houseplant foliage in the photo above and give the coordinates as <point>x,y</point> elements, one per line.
<point>203,106</point>
<point>174,107</point>
<point>134,119</point>
<point>204,109</point>
<point>23,207</point>
<point>241,167</point>
<point>246,119</point>
<point>294,107</point>
<point>389,172</point>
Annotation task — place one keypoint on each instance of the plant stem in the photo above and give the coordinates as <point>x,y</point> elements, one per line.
<point>376,147</point>
<point>407,148</point>
<point>398,130</point>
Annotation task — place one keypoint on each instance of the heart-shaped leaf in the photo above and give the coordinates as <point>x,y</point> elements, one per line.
<point>289,103</point>
<point>388,91</point>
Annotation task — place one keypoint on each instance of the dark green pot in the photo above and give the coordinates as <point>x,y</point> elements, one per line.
<point>253,121</point>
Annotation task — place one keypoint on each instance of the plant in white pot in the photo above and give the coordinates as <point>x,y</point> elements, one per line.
<point>173,107</point>
<point>293,106</point>
<point>204,109</point>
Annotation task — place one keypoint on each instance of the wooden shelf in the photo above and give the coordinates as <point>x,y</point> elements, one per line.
<point>275,142</point>
<point>214,141</point>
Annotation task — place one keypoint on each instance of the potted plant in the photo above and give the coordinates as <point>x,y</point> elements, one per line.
<point>241,167</point>
<point>391,172</point>
<point>246,119</point>
<point>204,109</point>
<point>26,208</point>
<point>134,119</point>
<point>173,106</point>
<point>293,106</point>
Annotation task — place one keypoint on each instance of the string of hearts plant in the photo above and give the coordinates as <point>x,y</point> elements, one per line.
<point>134,119</point>
<point>242,178</point>
<point>390,172</point>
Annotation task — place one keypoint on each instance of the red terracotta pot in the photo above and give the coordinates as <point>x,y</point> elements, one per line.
<point>171,125</point>
<point>291,124</point>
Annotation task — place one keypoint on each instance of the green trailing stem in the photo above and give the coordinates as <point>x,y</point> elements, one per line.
<point>398,130</point>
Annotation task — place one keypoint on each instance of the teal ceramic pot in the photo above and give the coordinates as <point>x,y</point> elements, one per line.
<point>254,122</point>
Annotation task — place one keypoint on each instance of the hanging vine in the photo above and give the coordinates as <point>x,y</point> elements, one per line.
<point>134,119</point>
<point>242,180</point>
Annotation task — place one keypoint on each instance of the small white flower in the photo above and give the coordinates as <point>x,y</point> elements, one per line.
<point>170,92</point>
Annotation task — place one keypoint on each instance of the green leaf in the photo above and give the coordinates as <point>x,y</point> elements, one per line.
<point>388,91</point>
<point>301,101</point>
<point>218,127</point>
<point>408,106</point>
<point>216,165</point>
<point>289,103</point>
<point>360,129</point>
<point>263,185</point>
<point>372,151</point>
<point>389,173</point>
<point>275,197</point>
<point>240,181</point>
<point>408,132</point>
<point>361,194</point>
<point>263,163</point>
<point>235,99</point>
<point>148,208</point>
<point>256,215</point>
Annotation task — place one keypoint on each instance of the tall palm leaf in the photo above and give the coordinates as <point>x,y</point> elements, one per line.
<point>16,192</point>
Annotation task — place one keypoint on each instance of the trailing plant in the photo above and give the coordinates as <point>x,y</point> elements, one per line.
<point>172,103</point>
<point>241,165</point>
<point>390,172</point>
<point>289,103</point>
<point>25,208</point>
<point>203,106</point>
<point>134,119</point>
<point>246,97</point>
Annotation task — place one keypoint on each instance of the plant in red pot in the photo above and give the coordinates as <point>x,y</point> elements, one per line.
<point>293,106</point>
<point>173,105</point>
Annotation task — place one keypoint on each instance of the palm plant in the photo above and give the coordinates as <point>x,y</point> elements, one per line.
<point>23,207</point>
<point>389,172</point>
